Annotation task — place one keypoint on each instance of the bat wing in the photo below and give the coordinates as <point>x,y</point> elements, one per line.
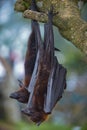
<point>46,36</point>
<point>39,44</point>
<point>55,88</point>
<point>40,74</point>
<point>31,48</point>
<point>34,77</point>
<point>30,55</point>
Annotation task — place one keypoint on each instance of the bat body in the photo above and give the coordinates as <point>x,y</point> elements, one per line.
<point>55,87</point>
<point>45,78</point>
<point>22,95</point>
<point>36,108</point>
<point>36,86</point>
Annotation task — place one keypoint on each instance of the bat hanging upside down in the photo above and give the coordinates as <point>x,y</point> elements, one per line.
<point>45,78</point>
<point>22,95</point>
<point>48,78</point>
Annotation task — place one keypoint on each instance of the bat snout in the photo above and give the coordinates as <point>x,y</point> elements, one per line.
<point>14,96</point>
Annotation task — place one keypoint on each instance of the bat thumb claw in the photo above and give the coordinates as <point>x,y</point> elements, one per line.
<point>20,83</point>
<point>26,111</point>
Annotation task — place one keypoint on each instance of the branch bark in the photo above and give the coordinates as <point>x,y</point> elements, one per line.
<point>68,20</point>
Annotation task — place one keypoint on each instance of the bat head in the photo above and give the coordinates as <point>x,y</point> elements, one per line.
<point>22,95</point>
<point>36,116</point>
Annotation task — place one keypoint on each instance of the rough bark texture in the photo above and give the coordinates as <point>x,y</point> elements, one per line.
<point>68,20</point>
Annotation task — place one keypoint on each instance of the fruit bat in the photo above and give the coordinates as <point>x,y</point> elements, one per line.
<point>48,78</point>
<point>22,95</point>
<point>44,76</point>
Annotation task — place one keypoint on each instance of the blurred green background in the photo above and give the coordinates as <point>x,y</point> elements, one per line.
<point>70,112</point>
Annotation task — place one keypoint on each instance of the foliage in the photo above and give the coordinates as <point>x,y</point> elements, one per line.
<point>84,127</point>
<point>26,126</point>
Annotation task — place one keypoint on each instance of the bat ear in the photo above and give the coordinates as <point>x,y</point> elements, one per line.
<point>20,83</point>
<point>14,95</point>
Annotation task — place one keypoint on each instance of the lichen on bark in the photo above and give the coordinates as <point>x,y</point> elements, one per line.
<point>68,20</point>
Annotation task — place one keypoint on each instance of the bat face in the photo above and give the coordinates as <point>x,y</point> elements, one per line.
<point>21,95</point>
<point>36,116</point>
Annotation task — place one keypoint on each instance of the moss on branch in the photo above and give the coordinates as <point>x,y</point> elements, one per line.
<point>69,22</point>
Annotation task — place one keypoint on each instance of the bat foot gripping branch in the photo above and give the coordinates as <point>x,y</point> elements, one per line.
<point>33,6</point>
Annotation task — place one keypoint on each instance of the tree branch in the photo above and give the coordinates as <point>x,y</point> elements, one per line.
<point>68,20</point>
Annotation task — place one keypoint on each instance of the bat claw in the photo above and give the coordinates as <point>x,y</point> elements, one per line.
<point>51,13</point>
<point>33,6</point>
<point>26,111</point>
<point>56,49</point>
<point>20,83</point>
